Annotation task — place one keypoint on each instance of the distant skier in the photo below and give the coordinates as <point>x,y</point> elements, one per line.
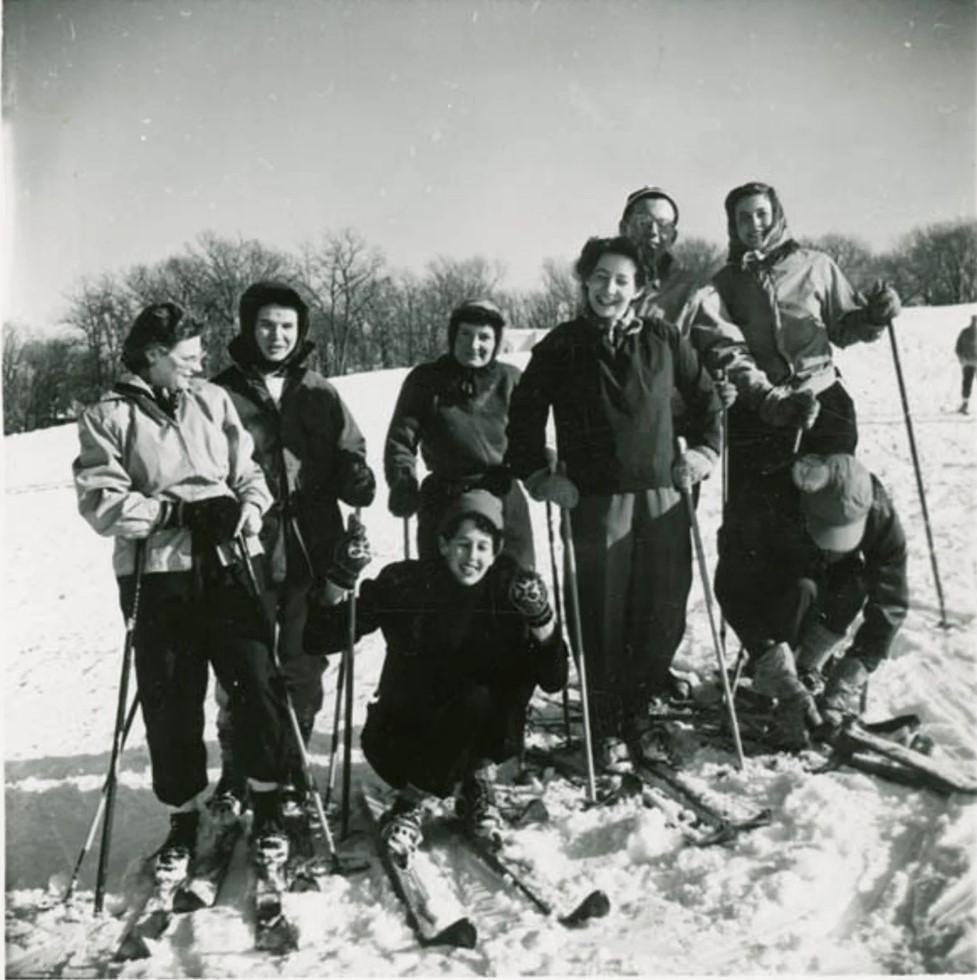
<point>609,377</point>
<point>312,454</point>
<point>165,460</point>
<point>791,606</point>
<point>469,636</point>
<point>454,411</point>
<point>966,351</point>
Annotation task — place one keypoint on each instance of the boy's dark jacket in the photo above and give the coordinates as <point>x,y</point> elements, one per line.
<point>304,445</point>
<point>441,636</point>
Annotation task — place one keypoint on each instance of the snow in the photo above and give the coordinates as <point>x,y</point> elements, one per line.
<point>853,875</point>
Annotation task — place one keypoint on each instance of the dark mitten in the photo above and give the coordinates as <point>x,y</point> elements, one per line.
<point>350,555</point>
<point>404,496</point>
<point>357,484</point>
<point>497,480</point>
<point>213,520</point>
<point>843,692</point>
<point>882,304</point>
<point>785,406</point>
<point>527,592</point>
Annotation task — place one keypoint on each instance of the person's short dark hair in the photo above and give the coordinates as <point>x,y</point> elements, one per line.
<point>449,527</point>
<point>271,293</point>
<point>478,312</point>
<point>159,325</point>
<point>596,248</point>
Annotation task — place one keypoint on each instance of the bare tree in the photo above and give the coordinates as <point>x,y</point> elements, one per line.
<point>699,257</point>
<point>346,281</point>
<point>936,265</point>
<point>102,310</point>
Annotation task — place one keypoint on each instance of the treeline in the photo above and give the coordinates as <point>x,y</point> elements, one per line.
<point>366,315</point>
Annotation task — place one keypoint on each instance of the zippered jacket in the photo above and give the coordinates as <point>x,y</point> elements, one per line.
<point>303,445</point>
<point>134,455</point>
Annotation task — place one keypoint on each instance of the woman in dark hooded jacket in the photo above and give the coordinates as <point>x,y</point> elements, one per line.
<point>454,410</point>
<point>313,456</point>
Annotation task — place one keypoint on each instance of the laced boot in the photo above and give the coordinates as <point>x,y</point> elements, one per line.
<point>269,842</point>
<point>401,829</point>
<point>476,807</point>
<point>229,799</point>
<point>178,849</point>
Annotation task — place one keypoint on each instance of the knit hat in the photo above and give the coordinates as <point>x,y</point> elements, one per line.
<point>471,502</point>
<point>165,324</point>
<point>478,312</point>
<point>270,293</point>
<point>643,192</point>
<point>836,497</point>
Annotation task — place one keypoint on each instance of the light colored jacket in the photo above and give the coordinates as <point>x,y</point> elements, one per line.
<point>775,324</point>
<point>133,456</point>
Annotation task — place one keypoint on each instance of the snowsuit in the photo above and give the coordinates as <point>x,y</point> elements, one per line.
<point>304,445</point>
<point>966,351</point>
<point>614,430</point>
<point>460,668</point>
<point>195,606</point>
<point>771,596</point>
<point>457,418</point>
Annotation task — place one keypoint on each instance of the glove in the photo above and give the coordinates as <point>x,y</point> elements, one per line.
<point>785,406</point>
<point>357,484</point>
<point>843,693</point>
<point>725,389</point>
<point>796,714</point>
<point>816,646</point>
<point>794,720</point>
<point>405,496</point>
<point>350,555</point>
<point>527,592</point>
<point>213,520</point>
<point>251,521</point>
<point>882,304</point>
<point>558,489</point>
<point>690,468</point>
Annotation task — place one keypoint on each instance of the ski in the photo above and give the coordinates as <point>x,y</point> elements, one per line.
<point>209,868</point>
<point>274,932</point>
<point>594,905</point>
<point>413,894</point>
<point>854,737</point>
<point>152,913</point>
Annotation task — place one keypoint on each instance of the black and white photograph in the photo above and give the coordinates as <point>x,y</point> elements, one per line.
<point>489,488</point>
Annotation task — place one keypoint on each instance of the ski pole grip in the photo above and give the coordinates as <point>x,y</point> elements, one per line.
<point>683,446</point>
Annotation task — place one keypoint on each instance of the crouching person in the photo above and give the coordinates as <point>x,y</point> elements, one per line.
<point>849,559</point>
<point>469,636</point>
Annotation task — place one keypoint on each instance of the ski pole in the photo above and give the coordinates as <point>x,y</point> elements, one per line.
<point>311,790</point>
<point>334,750</point>
<point>118,735</point>
<point>720,377</point>
<point>707,593</point>
<point>348,730</point>
<point>919,476</point>
<point>406,539</point>
<point>573,600</point>
<point>97,819</point>
<point>558,599</point>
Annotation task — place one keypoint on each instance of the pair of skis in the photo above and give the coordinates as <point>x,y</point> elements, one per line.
<point>413,892</point>
<point>173,889</point>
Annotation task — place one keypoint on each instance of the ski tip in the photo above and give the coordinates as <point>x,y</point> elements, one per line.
<point>461,933</point>
<point>278,938</point>
<point>595,906</point>
<point>186,900</point>
<point>132,948</point>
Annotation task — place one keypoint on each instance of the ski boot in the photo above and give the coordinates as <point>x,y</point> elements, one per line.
<point>475,806</point>
<point>401,829</point>
<point>174,857</point>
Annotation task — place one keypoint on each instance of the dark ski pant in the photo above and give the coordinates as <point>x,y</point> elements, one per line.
<point>181,629</point>
<point>287,605</point>
<point>634,573</point>
<point>478,723</point>
<point>968,380</point>
<point>517,534</point>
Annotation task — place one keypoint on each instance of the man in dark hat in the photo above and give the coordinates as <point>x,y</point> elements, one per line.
<point>470,634</point>
<point>792,609</point>
<point>313,456</point>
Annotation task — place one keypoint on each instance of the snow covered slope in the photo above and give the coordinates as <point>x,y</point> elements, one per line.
<point>852,875</point>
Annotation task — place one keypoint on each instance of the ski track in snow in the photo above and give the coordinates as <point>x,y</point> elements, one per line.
<point>853,875</point>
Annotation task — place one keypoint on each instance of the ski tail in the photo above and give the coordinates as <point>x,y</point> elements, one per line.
<point>413,893</point>
<point>151,914</point>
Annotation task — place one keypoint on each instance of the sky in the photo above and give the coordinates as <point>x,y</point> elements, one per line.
<point>511,130</point>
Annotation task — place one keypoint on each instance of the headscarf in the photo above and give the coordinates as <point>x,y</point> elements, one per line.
<point>778,241</point>
<point>244,348</point>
